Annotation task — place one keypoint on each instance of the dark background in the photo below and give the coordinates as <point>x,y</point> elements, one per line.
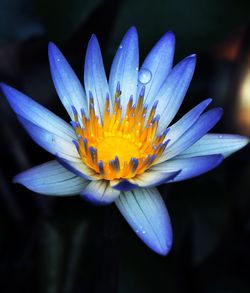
<point>66,245</point>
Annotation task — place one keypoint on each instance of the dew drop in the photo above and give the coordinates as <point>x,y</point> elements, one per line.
<point>140,230</point>
<point>145,76</point>
<point>136,68</point>
<point>220,136</point>
<point>57,59</point>
<point>120,47</point>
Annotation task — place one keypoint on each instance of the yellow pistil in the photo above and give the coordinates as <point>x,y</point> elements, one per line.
<point>119,146</point>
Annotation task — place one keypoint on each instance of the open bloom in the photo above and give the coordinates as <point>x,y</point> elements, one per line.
<point>119,145</point>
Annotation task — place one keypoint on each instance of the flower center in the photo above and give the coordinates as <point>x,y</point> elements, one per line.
<point>121,145</point>
<point>115,146</point>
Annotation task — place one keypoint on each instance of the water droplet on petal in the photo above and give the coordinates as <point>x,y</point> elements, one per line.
<point>145,76</point>
<point>120,47</point>
<point>58,59</point>
<point>136,68</point>
<point>221,136</point>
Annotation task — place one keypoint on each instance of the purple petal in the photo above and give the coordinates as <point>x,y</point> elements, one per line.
<point>51,142</point>
<point>100,192</point>
<point>147,215</point>
<point>79,168</point>
<point>30,110</point>
<point>159,63</point>
<point>193,134</point>
<point>190,167</point>
<point>67,84</point>
<point>51,178</point>
<point>94,75</point>
<point>174,90</point>
<point>213,143</point>
<point>181,126</point>
<point>124,68</point>
<point>152,178</point>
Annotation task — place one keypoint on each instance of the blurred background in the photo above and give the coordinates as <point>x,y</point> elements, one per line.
<point>64,245</point>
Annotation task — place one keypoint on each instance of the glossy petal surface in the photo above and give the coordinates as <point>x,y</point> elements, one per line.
<point>190,167</point>
<point>56,145</point>
<point>32,111</point>
<point>51,178</point>
<point>94,75</point>
<point>67,84</point>
<point>157,64</point>
<point>216,143</point>
<point>147,215</point>
<point>100,192</point>
<point>193,134</point>
<point>124,68</point>
<point>174,90</point>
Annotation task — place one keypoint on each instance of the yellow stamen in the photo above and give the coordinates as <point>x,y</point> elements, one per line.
<point>119,146</point>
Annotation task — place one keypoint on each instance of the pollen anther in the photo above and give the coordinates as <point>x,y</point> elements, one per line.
<point>124,143</point>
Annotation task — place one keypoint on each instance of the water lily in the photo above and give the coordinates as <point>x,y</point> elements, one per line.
<point>120,143</point>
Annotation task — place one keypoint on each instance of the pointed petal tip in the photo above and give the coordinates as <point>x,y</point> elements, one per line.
<point>9,92</point>
<point>242,140</point>
<point>93,39</point>
<point>191,59</point>
<point>245,140</point>
<point>208,101</point>
<point>16,179</point>
<point>52,47</point>
<point>169,36</point>
<point>131,32</point>
<point>163,247</point>
<point>3,87</point>
<point>53,52</point>
<point>163,250</point>
<point>132,29</point>
<point>220,111</point>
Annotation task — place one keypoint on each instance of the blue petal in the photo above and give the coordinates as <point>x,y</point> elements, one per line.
<point>123,185</point>
<point>124,68</point>
<point>159,63</point>
<point>51,142</point>
<point>94,75</point>
<point>36,113</point>
<point>51,179</point>
<point>214,143</point>
<point>174,90</point>
<point>100,192</point>
<point>193,134</point>
<point>68,86</point>
<point>146,213</point>
<point>190,167</point>
<point>181,126</point>
<point>79,168</point>
<point>152,178</point>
